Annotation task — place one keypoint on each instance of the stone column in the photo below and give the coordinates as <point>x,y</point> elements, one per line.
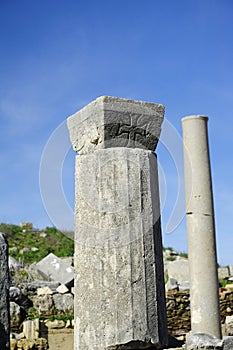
<point>4,295</point>
<point>204,298</point>
<point>119,281</point>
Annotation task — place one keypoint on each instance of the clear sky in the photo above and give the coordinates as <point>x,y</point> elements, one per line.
<point>57,56</point>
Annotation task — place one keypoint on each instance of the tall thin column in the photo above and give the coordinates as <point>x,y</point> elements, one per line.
<point>204,298</point>
<point>119,282</point>
<point>4,295</point>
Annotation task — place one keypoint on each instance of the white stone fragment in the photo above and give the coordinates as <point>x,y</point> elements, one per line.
<point>62,289</point>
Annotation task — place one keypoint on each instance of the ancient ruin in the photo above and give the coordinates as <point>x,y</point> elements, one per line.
<point>205,314</point>
<point>119,278</point>
<point>4,293</point>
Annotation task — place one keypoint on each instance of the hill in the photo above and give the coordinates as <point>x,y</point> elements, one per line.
<point>31,245</point>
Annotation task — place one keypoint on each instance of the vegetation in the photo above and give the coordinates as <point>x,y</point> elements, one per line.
<point>47,241</point>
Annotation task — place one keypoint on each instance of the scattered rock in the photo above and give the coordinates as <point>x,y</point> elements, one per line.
<point>16,315</point>
<point>43,304</point>
<point>34,249</point>
<point>25,250</point>
<point>44,291</point>
<point>41,344</point>
<point>64,303</point>
<point>62,289</point>
<point>227,343</point>
<point>26,344</point>
<point>223,273</point>
<point>15,293</point>
<point>229,325</point>
<point>203,341</point>
<point>31,328</point>
<point>229,286</point>
<point>43,234</point>
<point>13,263</point>
<point>13,249</point>
<point>31,287</point>
<point>171,284</point>
<point>55,324</point>
<point>54,268</point>
<point>68,324</point>
<point>13,344</point>
<point>178,270</point>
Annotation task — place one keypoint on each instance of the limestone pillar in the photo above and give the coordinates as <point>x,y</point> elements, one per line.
<point>119,281</point>
<point>4,295</point>
<point>204,298</point>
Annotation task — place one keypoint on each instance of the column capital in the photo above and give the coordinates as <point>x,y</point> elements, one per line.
<point>115,122</point>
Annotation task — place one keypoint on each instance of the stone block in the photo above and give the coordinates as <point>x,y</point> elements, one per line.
<point>13,263</point>
<point>64,303</point>
<point>229,286</point>
<point>16,315</point>
<point>227,343</point>
<point>179,270</point>
<point>55,324</point>
<point>223,273</point>
<point>119,260</point>
<point>43,304</point>
<point>44,290</point>
<point>60,338</point>
<point>31,287</point>
<point>13,344</point>
<point>55,269</point>
<point>62,289</point>
<point>28,344</point>
<point>196,341</point>
<point>229,325</point>
<point>115,122</point>
<point>171,284</point>
<point>31,328</point>
<point>231,270</point>
<point>15,294</point>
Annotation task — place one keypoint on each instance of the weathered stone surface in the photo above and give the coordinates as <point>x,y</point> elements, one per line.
<point>229,286</point>
<point>223,273</point>
<point>178,313</point>
<point>171,284</point>
<point>179,270</point>
<point>64,303</point>
<point>31,328</point>
<point>4,295</point>
<point>114,122</point>
<point>203,341</point>
<point>13,344</point>
<point>124,280</point>
<point>13,263</point>
<point>229,325</point>
<point>55,269</point>
<point>15,293</point>
<point>31,287</point>
<point>205,313</point>
<point>60,339</point>
<point>231,270</point>
<point>44,290</point>
<point>16,315</point>
<point>118,249</point>
<point>55,324</point>
<point>43,304</point>
<point>62,289</point>
<point>227,343</point>
<point>42,344</point>
<point>26,344</point>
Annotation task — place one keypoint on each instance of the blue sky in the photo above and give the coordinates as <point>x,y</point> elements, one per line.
<point>57,56</point>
